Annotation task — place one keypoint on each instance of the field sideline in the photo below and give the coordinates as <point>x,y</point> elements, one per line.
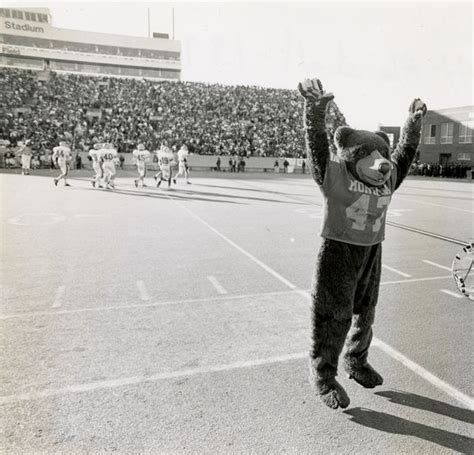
<point>178,321</point>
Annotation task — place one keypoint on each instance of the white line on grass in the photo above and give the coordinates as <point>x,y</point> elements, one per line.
<point>142,290</point>
<point>120,382</point>
<point>189,301</point>
<point>58,299</point>
<point>425,374</point>
<point>219,288</point>
<point>149,305</point>
<point>434,264</point>
<point>396,271</point>
<point>447,388</point>
<point>237,247</point>
<point>451,293</point>
<point>416,280</point>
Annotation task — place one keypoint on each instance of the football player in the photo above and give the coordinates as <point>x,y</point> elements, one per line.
<point>141,156</point>
<point>25,152</point>
<point>183,168</point>
<point>109,158</point>
<point>96,165</point>
<point>62,158</point>
<point>165,161</point>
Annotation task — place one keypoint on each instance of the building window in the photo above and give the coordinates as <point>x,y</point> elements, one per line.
<point>465,132</point>
<point>447,133</point>
<point>17,14</point>
<point>4,12</point>
<point>464,156</point>
<point>42,18</point>
<point>430,134</point>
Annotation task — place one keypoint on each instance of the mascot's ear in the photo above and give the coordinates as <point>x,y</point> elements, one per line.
<point>383,136</point>
<point>341,135</point>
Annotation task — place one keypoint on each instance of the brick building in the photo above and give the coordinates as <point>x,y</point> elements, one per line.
<point>447,136</point>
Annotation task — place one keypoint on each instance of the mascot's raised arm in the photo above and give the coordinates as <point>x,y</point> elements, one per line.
<point>357,183</point>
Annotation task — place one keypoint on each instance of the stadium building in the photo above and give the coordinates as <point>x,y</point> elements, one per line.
<point>29,41</point>
<point>447,136</point>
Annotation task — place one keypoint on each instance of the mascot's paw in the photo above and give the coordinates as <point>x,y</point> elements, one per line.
<point>334,395</point>
<point>329,391</point>
<point>364,374</point>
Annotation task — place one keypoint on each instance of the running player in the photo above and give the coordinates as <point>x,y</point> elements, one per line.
<point>165,161</point>
<point>62,158</point>
<point>182,165</point>
<point>109,158</point>
<point>96,165</point>
<point>25,152</point>
<point>141,156</point>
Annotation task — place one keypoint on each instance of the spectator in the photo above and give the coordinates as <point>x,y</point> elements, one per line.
<point>285,166</point>
<point>276,167</point>
<point>218,164</point>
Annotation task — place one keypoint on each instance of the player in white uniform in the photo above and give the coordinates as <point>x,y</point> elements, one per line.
<point>25,152</point>
<point>141,157</point>
<point>109,158</point>
<point>96,165</point>
<point>182,165</point>
<point>165,161</point>
<point>62,157</point>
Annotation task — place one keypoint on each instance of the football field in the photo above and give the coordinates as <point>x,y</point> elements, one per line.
<point>171,321</point>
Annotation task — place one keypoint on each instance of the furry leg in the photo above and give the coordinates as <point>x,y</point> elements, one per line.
<point>328,341</point>
<point>360,335</point>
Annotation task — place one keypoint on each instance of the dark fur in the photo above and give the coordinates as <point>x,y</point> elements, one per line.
<point>346,285</point>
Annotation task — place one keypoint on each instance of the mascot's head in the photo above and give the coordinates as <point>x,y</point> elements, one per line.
<point>367,154</point>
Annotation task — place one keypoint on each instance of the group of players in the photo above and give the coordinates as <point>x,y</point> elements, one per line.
<point>105,158</point>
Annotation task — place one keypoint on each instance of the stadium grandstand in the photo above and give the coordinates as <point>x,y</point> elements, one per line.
<point>29,40</point>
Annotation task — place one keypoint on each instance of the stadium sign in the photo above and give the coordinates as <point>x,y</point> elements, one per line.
<point>23,27</point>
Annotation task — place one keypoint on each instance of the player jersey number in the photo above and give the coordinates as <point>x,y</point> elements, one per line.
<point>358,212</point>
<point>108,156</point>
<point>165,160</point>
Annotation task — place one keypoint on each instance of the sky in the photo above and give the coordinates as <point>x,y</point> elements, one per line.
<point>374,56</point>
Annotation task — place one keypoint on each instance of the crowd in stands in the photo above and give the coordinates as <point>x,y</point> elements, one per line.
<point>209,118</point>
<point>449,170</point>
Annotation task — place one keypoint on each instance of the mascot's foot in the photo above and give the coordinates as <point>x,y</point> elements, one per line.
<point>329,391</point>
<point>364,374</point>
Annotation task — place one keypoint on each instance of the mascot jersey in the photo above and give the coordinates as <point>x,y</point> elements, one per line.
<point>354,212</point>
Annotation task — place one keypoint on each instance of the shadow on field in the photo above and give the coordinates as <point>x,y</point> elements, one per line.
<point>260,199</point>
<point>427,404</point>
<point>167,195</point>
<point>251,189</point>
<point>392,424</point>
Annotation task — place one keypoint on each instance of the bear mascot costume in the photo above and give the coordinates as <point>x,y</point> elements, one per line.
<point>357,183</point>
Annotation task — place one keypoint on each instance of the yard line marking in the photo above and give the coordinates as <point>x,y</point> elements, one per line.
<point>58,300</point>
<point>451,293</point>
<point>425,374</point>
<point>396,271</point>
<point>134,380</point>
<point>147,305</point>
<point>142,290</point>
<point>416,280</point>
<point>436,265</point>
<point>237,247</point>
<point>189,301</point>
<point>216,284</point>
